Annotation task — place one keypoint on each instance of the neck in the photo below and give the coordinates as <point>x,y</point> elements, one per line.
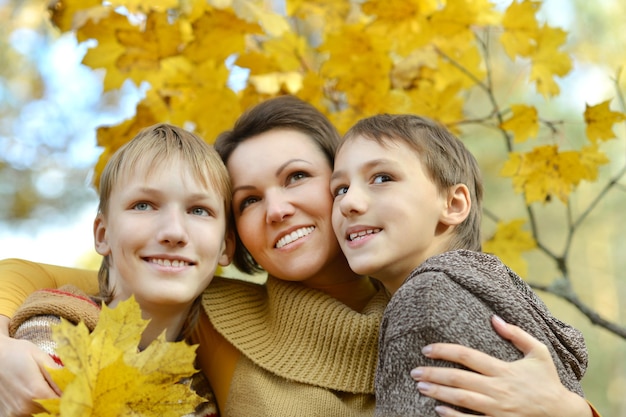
<point>172,324</point>
<point>344,285</point>
<point>163,318</point>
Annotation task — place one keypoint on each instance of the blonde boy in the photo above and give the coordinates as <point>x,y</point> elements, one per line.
<point>162,228</point>
<point>407,212</point>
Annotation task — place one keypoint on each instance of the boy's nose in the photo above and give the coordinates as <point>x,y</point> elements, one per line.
<point>173,231</point>
<point>353,202</point>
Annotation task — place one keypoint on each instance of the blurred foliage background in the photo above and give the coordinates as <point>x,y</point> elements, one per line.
<point>59,115</point>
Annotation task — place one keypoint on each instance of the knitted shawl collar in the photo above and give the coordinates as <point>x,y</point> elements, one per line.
<point>299,333</point>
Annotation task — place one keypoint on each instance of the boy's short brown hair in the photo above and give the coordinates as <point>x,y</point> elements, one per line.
<point>445,158</point>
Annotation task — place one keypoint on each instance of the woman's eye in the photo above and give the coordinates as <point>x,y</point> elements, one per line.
<point>247,202</point>
<point>143,206</point>
<point>296,176</point>
<point>380,178</point>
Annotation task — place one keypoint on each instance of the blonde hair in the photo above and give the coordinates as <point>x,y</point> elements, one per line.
<point>157,144</point>
<point>446,160</point>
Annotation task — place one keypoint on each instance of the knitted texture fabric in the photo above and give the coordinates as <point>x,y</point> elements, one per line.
<point>301,348</point>
<point>68,302</point>
<point>451,298</point>
<point>33,321</point>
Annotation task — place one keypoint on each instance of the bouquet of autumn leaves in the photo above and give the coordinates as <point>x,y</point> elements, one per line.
<point>105,375</point>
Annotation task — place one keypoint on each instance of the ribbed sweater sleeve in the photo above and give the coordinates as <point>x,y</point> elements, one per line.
<point>19,278</point>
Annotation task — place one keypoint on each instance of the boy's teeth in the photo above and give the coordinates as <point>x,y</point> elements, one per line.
<point>293,236</point>
<point>166,262</point>
<point>358,235</point>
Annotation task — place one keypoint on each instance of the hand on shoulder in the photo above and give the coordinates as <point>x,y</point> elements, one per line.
<point>529,387</point>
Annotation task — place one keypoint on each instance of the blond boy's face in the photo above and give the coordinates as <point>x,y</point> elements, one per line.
<point>164,233</point>
<point>386,212</point>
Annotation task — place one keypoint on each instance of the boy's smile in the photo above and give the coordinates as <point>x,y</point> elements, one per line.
<point>386,212</point>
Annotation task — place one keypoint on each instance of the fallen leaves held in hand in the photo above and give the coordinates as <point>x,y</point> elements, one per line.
<point>105,375</point>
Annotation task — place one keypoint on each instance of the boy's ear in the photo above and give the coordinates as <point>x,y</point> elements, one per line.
<point>458,204</point>
<point>100,238</point>
<point>228,249</point>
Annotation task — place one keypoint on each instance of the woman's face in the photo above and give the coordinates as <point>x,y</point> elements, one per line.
<point>282,207</point>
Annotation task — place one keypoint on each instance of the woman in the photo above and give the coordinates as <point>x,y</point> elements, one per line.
<point>308,337</point>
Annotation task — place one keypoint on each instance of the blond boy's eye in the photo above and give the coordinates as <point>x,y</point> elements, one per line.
<point>199,211</point>
<point>142,206</point>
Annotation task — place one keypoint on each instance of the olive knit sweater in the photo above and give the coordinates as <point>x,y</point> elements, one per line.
<point>303,352</point>
<point>451,298</point>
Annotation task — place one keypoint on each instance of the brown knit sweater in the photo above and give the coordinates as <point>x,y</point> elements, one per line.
<point>303,352</point>
<point>451,298</point>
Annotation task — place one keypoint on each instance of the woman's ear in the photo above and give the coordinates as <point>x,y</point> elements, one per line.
<point>458,205</point>
<point>100,237</point>
<point>228,249</point>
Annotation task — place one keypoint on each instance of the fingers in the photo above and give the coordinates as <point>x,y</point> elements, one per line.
<point>21,377</point>
<point>463,355</point>
<point>522,340</point>
<point>459,397</point>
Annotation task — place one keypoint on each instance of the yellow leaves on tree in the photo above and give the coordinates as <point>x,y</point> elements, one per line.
<point>545,172</point>
<point>541,44</point>
<point>105,375</point>
<point>524,123</point>
<point>600,120</point>
<point>445,59</point>
<point>509,242</point>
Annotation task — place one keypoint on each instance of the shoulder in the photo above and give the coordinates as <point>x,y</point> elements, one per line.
<point>68,302</point>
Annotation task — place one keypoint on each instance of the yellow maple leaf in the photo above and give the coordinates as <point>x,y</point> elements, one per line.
<point>144,48</point>
<point>545,172</point>
<point>524,123</point>
<point>274,82</point>
<point>255,11</point>
<point>104,374</point>
<point>509,242</point>
<point>72,14</point>
<point>142,6</point>
<point>218,34</point>
<point>403,24</point>
<point>548,61</point>
<point>108,50</point>
<point>520,28</point>
<point>461,15</point>
<point>600,119</point>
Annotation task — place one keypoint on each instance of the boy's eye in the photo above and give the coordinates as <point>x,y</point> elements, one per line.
<point>143,206</point>
<point>380,178</point>
<point>341,190</point>
<point>200,211</point>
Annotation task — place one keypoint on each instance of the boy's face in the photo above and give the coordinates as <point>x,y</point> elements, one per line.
<point>164,233</point>
<point>387,210</point>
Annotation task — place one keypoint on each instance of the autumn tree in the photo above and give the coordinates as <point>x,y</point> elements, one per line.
<point>352,59</point>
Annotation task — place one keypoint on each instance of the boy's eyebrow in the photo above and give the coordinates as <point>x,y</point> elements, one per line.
<point>368,165</point>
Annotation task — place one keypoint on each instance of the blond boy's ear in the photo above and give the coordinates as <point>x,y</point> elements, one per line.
<point>458,204</point>
<point>100,238</point>
<point>228,249</point>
